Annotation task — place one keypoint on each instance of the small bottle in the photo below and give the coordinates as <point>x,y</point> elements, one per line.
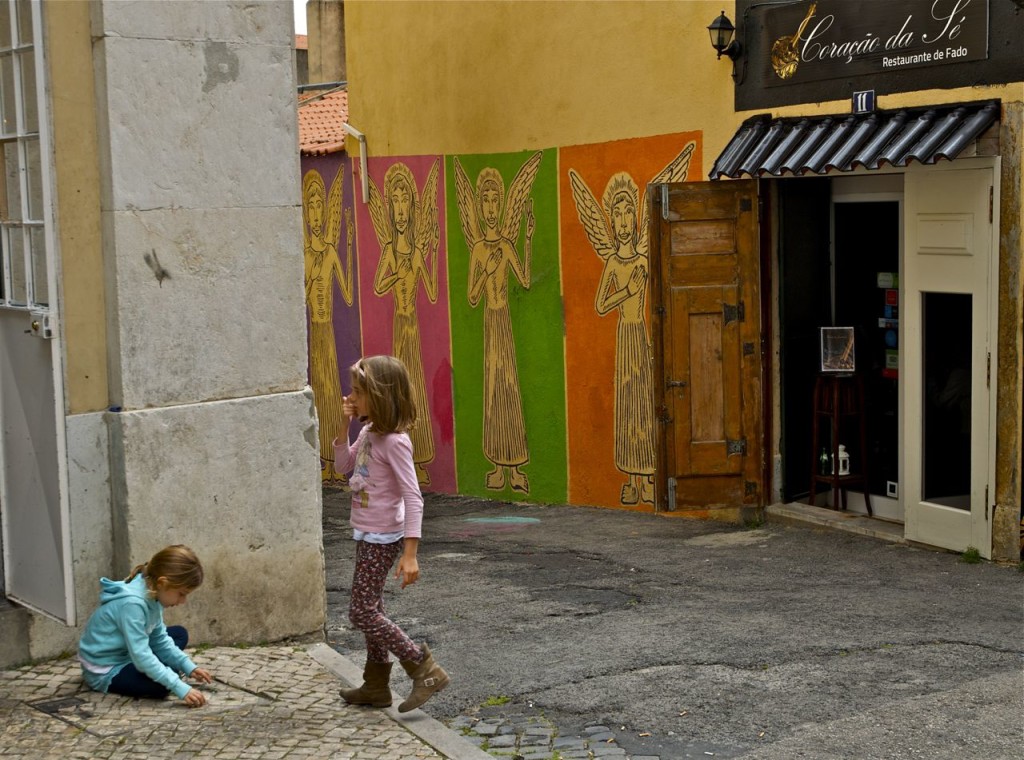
<point>844,460</point>
<point>824,462</point>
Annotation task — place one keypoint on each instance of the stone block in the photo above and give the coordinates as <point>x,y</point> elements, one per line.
<point>227,319</point>
<point>268,22</point>
<point>239,482</point>
<point>196,124</point>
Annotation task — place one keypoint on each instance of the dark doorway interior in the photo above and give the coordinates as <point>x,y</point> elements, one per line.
<point>804,305</point>
<point>867,251</point>
<point>866,245</point>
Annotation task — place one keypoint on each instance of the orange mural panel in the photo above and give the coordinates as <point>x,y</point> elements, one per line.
<point>605,278</point>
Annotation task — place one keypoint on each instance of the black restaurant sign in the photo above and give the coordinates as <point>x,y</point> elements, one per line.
<point>833,39</point>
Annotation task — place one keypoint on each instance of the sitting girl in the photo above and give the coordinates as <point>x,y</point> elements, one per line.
<point>126,649</point>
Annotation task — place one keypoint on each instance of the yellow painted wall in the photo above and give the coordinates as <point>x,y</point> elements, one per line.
<point>73,119</point>
<point>508,75</point>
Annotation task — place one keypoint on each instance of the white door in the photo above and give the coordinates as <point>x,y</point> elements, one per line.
<point>34,509</point>
<point>948,346</point>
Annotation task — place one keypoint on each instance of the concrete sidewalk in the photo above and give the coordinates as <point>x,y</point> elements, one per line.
<point>266,702</point>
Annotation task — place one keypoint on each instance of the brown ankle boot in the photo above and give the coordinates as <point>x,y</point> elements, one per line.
<point>427,677</point>
<point>375,690</point>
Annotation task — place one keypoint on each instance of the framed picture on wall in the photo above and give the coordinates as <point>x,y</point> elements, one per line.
<point>837,349</point>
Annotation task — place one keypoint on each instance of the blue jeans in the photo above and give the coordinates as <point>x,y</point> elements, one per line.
<point>129,682</point>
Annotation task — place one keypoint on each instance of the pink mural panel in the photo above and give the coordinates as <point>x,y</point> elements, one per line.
<point>404,306</point>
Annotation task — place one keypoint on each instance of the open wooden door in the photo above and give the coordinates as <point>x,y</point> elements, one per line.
<point>708,344</point>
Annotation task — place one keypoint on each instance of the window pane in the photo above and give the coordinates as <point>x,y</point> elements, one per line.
<point>947,402</point>
<point>27,60</point>
<point>34,172</point>
<point>5,25</point>
<point>12,182</point>
<point>24,22</point>
<point>18,295</point>
<point>40,286</point>
<point>8,115</point>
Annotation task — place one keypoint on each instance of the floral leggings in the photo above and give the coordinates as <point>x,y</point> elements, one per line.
<point>366,608</point>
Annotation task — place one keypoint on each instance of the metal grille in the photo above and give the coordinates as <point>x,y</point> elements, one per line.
<point>24,283</point>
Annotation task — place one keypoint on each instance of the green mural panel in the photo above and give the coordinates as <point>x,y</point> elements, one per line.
<point>508,366</point>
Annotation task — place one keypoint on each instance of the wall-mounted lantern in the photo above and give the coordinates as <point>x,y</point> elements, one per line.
<point>722,30</point>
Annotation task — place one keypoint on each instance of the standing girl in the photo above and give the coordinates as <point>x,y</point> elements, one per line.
<point>126,649</point>
<point>387,512</point>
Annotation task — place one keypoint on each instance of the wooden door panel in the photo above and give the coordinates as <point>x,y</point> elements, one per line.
<point>708,301</point>
<point>707,407</point>
<point>706,237</point>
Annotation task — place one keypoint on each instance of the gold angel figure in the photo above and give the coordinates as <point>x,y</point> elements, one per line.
<point>322,267</point>
<point>406,224</point>
<point>623,246</point>
<point>492,254</point>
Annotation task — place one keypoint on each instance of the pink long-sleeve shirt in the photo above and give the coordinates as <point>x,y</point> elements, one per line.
<point>386,494</point>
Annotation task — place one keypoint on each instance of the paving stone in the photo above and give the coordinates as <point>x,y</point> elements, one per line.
<point>568,742</point>
<point>506,740</point>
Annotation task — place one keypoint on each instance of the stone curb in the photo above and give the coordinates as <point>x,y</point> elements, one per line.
<point>432,732</point>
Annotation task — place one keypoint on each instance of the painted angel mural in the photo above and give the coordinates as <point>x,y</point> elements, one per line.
<point>407,229</point>
<point>491,224</point>
<point>612,229</point>
<point>321,228</point>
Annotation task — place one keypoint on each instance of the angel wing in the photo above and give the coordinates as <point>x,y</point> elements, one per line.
<point>427,230</point>
<point>379,215</point>
<point>334,207</point>
<point>675,172</point>
<point>518,194</point>
<point>594,222</point>
<point>465,195</point>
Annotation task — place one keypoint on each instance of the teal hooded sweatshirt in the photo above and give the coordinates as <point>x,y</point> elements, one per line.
<point>128,628</point>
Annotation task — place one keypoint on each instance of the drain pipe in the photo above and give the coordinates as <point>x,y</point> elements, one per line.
<point>362,158</point>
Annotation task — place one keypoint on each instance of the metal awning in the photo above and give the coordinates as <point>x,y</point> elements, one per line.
<point>818,145</point>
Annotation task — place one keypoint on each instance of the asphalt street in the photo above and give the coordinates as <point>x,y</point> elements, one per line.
<point>700,639</point>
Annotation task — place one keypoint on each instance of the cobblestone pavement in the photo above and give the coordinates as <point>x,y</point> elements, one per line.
<point>519,736</point>
<point>266,703</point>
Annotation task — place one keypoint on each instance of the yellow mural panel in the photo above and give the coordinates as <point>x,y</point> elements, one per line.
<point>322,217</point>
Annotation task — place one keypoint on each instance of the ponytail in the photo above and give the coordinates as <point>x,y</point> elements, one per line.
<point>135,571</point>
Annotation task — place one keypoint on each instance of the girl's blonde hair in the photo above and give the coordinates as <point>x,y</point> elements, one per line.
<point>178,564</point>
<point>384,381</point>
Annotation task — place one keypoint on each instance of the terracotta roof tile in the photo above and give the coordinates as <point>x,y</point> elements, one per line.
<point>320,122</point>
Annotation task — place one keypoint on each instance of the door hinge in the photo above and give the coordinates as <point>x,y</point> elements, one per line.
<point>736,447</point>
<point>730,312</point>
<point>988,370</point>
<point>991,203</point>
<point>986,503</point>
<point>664,202</point>
<point>671,494</point>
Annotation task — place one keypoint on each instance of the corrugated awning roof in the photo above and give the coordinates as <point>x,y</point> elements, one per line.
<point>819,145</point>
<point>320,123</point>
